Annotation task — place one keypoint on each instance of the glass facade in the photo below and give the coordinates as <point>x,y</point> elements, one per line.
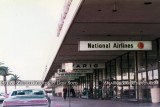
<point>134,73</point>
<point>129,76</point>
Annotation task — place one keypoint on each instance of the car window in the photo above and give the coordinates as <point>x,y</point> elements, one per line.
<point>38,92</point>
<point>28,92</point>
<point>14,93</point>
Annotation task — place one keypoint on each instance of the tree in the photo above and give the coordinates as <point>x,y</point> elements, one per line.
<point>4,71</point>
<point>1,63</point>
<point>15,78</point>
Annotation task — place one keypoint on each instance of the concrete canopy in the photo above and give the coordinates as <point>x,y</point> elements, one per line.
<point>107,20</point>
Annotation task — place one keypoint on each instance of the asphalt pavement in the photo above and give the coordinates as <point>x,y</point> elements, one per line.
<point>77,102</point>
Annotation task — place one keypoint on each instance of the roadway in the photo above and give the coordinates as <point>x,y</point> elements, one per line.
<point>76,102</point>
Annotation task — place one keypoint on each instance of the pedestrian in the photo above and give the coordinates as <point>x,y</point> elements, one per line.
<point>64,92</point>
<point>104,91</point>
<point>72,92</point>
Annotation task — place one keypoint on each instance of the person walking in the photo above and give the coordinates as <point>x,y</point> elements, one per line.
<point>72,92</point>
<point>64,92</point>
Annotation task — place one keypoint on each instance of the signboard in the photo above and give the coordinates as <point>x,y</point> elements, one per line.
<point>61,71</point>
<point>68,67</point>
<point>65,78</point>
<point>63,15</point>
<point>114,45</point>
<point>68,75</point>
<point>86,66</point>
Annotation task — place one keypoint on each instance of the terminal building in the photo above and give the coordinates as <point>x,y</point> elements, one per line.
<point>114,46</point>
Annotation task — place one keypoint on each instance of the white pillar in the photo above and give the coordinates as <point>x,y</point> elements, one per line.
<point>138,63</point>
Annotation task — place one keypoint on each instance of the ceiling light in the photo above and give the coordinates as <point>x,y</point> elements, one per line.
<point>147,3</point>
<point>115,7</point>
<point>99,10</point>
<point>114,10</point>
<point>108,35</point>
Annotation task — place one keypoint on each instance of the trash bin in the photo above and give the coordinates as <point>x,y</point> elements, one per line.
<point>155,95</point>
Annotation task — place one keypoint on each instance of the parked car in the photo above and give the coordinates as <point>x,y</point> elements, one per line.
<point>27,97</point>
<point>1,97</point>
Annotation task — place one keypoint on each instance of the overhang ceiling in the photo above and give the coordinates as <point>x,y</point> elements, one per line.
<point>95,20</point>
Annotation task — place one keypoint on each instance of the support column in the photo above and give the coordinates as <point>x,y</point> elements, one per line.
<point>118,78</point>
<point>138,64</point>
<point>53,91</point>
<point>103,75</point>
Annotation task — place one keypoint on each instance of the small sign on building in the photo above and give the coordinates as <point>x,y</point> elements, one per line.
<point>68,67</point>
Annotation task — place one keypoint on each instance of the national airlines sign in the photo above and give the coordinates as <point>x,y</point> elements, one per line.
<point>114,45</point>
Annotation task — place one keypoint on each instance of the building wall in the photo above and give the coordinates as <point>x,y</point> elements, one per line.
<point>59,91</point>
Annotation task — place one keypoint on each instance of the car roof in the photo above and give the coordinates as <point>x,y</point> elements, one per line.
<point>28,89</point>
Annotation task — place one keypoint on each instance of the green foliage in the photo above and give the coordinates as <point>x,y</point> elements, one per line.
<point>14,78</point>
<point>4,71</point>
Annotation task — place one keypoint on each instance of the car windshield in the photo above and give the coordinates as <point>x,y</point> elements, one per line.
<point>27,92</point>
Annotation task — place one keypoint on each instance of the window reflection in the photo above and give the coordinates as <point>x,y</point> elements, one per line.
<point>155,74</point>
<point>150,75</point>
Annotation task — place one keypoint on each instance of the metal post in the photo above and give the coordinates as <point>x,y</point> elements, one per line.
<point>136,75</point>
<point>69,97</point>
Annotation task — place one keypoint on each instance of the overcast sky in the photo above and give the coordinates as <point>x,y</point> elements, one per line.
<point>27,32</point>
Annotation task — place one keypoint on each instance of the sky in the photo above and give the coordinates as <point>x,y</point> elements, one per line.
<point>28,31</point>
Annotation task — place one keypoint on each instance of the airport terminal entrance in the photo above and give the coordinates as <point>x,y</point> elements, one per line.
<point>127,77</point>
<point>132,75</point>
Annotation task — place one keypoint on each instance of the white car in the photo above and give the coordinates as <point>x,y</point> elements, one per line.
<point>27,98</point>
<point>1,97</point>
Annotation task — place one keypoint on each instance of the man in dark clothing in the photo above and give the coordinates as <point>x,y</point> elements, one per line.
<point>64,92</point>
<point>73,92</point>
